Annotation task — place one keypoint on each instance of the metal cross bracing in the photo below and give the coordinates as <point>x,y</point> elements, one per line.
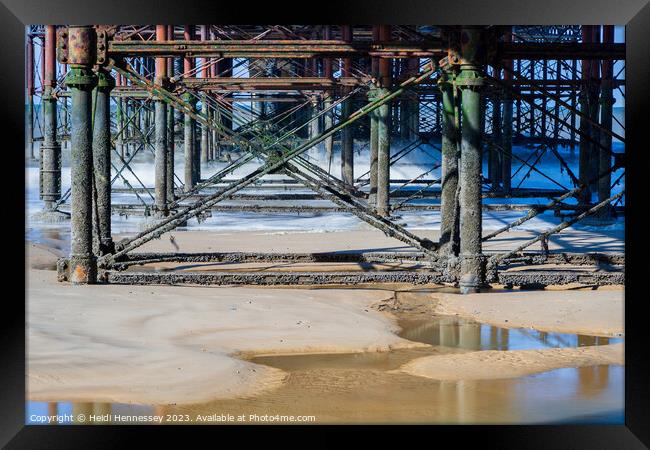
<point>234,93</point>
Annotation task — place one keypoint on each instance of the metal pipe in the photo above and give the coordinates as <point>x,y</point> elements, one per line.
<point>448,199</point>
<point>606,110</point>
<point>170,129</point>
<point>383,131</point>
<point>102,163</point>
<point>50,160</point>
<point>160,124</point>
<point>506,134</point>
<point>470,81</point>
<point>29,124</point>
<point>81,81</point>
<point>383,157</point>
<point>347,139</point>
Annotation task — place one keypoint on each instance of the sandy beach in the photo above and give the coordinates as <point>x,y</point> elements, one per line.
<point>172,345</point>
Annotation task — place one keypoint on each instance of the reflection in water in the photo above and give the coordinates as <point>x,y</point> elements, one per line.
<point>352,396</point>
<point>451,331</point>
<point>366,388</point>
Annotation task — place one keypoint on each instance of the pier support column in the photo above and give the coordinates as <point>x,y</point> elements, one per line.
<point>448,201</point>
<point>50,152</point>
<point>585,128</point>
<point>472,273</point>
<point>374,148</point>
<point>160,126</point>
<point>170,129</point>
<point>189,126</point>
<point>347,146</point>
<point>103,242</point>
<point>29,120</point>
<point>327,124</point>
<point>347,139</point>
<point>383,157</point>
<point>383,130</point>
<point>506,127</point>
<point>81,81</point>
<point>189,139</point>
<point>204,130</point>
<point>606,111</point>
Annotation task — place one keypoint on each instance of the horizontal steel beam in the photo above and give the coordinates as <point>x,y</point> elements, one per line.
<point>273,278</point>
<point>341,49</point>
<point>533,278</point>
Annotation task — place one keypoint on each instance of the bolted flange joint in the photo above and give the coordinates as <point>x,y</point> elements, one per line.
<point>81,78</point>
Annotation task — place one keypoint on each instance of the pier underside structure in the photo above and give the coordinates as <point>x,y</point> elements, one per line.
<point>265,101</point>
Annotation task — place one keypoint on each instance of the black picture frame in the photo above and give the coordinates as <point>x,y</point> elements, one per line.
<point>634,14</point>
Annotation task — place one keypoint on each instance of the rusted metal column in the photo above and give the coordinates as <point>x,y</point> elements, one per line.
<point>160,124</point>
<point>189,125</point>
<point>374,125</point>
<point>119,118</point>
<point>170,128</point>
<point>81,81</point>
<point>470,81</point>
<point>347,139</point>
<point>495,154</point>
<point>314,125</point>
<point>506,132</point>
<point>606,110</point>
<point>448,201</point>
<point>585,127</point>
<point>374,147</point>
<point>594,94</point>
<point>327,99</point>
<point>382,202</point>
<point>204,109</point>
<point>383,131</point>
<point>50,153</point>
<point>29,123</point>
<point>102,164</point>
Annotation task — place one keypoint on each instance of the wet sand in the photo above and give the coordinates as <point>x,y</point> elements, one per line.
<point>339,353</point>
<point>493,364</point>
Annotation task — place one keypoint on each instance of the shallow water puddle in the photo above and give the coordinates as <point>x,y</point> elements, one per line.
<point>363,388</point>
<point>586,394</point>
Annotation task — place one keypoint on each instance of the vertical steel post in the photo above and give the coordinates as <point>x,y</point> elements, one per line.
<point>470,81</point>
<point>383,131</point>
<point>160,124</point>
<point>606,110</point>
<point>506,134</point>
<point>50,160</point>
<point>382,201</point>
<point>347,139</point>
<point>585,128</point>
<point>102,163</point>
<point>81,81</point>
<point>29,124</point>
<point>594,94</point>
<point>448,202</point>
<point>495,154</point>
<point>204,109</point>
<point>189,126</point>
<point>374,125</point>
<point>327,99</point>
<point>170,128</point>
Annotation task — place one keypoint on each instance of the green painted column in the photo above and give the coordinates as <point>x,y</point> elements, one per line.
<point>470,81</point>
<point>102,163</point>
<point>83,265</point>
<point>448,202</point>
